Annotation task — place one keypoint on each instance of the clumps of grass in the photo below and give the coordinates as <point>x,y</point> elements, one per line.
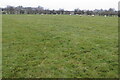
<point>60,46</point>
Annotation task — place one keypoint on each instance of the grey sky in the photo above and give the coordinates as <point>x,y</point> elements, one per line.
<point>66,4</point>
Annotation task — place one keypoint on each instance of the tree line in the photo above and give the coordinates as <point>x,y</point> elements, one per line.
<point>41,10</point>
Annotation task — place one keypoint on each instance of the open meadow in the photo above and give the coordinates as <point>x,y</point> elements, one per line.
<point>60,46</point>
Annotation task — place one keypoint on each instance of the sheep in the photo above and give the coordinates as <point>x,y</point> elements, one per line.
<point>105,16</point>
<point>80,15</point>
<point>93,15</point>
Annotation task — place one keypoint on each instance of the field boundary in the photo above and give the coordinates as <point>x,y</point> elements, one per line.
<point>0,44</point>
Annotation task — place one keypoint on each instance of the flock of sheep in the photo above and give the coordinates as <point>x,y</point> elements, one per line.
<point>78,15</point>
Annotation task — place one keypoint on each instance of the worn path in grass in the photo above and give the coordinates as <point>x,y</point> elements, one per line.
<point>63,46</point>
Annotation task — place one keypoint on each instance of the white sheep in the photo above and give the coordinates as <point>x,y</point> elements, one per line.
<point>93,15</point>
<point>80,15</point>
<point>105,16</point>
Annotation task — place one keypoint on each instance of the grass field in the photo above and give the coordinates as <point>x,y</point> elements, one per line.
<point>61,46</point>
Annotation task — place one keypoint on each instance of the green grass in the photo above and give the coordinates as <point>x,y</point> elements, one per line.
<point>62,46</point>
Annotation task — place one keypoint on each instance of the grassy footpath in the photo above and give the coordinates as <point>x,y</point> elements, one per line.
<point>63,46</point>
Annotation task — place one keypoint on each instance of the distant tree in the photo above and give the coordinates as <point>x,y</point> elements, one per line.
<point>10,10</point>
<point>77,11</point>
<point>46,11</point>
<point>19,10</point>
<point>29,10</point>
<point>61,11</point>
<point>89,12</point>
<point>111,9</point>
<point>40,10</point>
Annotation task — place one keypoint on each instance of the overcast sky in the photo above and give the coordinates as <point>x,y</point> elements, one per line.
<point>65,4</point>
